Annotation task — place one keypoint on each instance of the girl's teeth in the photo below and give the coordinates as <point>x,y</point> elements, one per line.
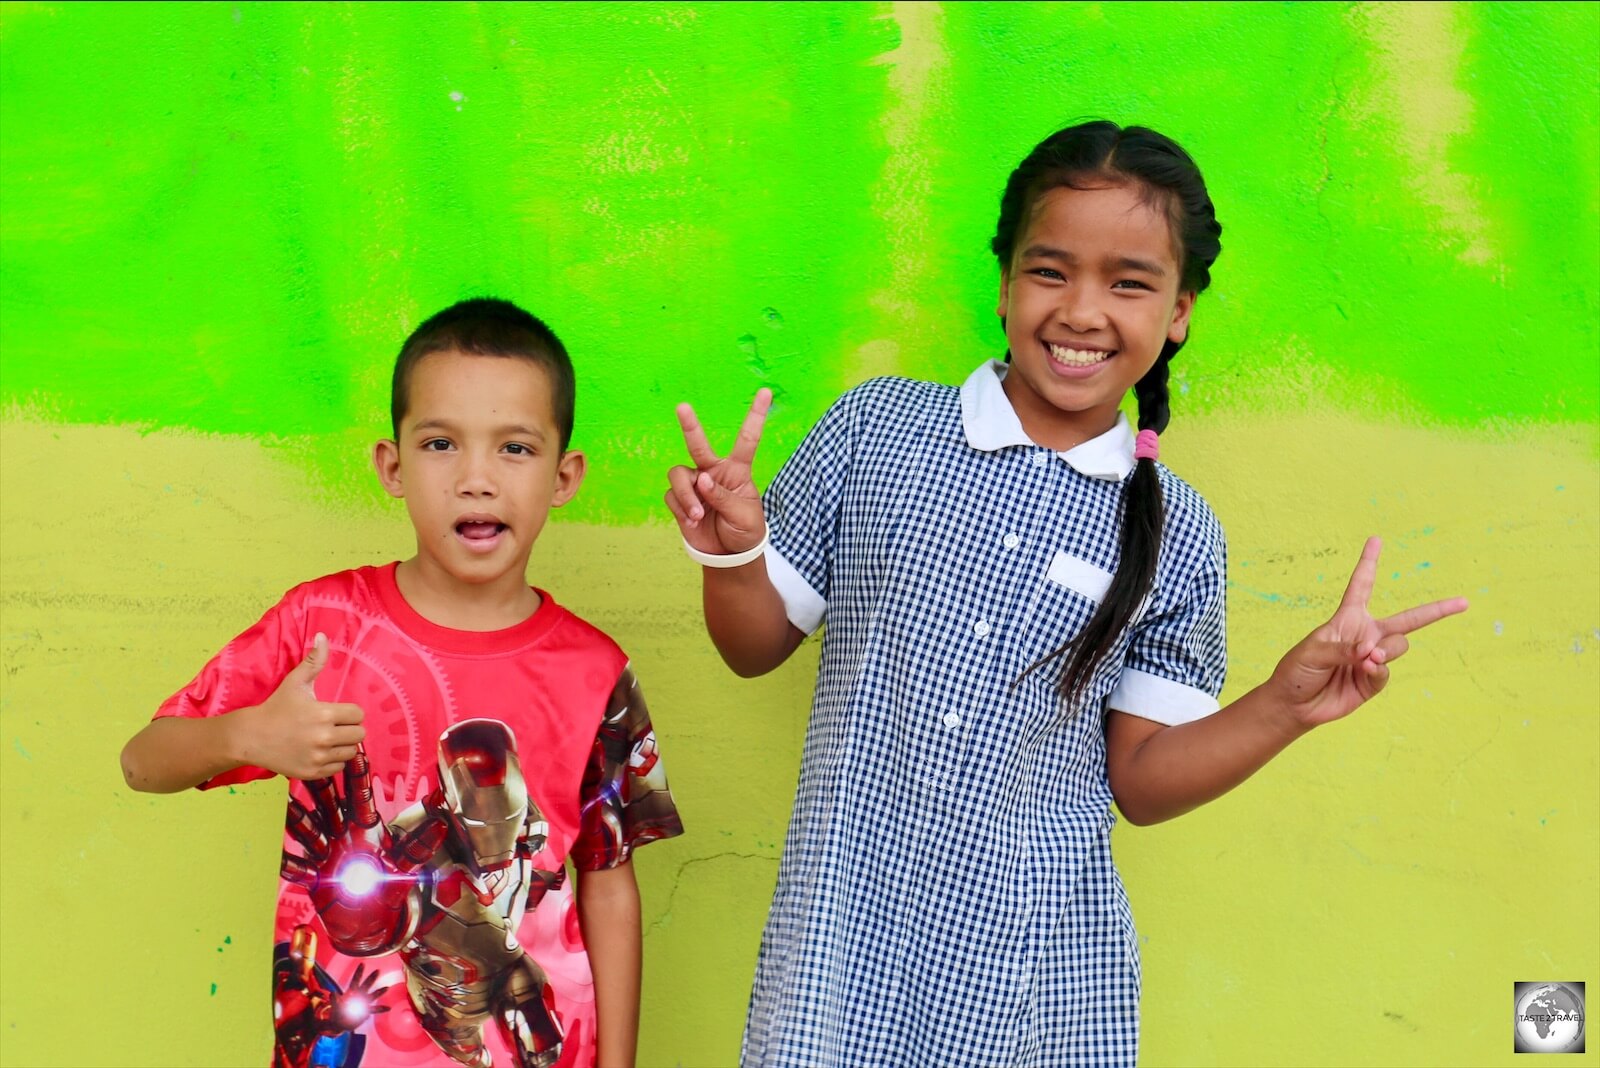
<point>1076,357</point>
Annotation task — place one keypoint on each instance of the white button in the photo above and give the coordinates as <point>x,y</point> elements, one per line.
<point>981,629</point>
<point>1010,541</point>
<point>1039,459</point>
<point>952,719</point>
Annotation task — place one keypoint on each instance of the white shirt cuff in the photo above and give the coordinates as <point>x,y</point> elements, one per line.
<point>1152,697</point>
<point>803,605</point>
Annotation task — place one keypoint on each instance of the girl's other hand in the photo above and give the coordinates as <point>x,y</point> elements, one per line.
<point>716,502</point>
<point>1345,662</point>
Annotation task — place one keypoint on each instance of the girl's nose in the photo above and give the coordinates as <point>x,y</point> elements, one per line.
<point>1080,312</point>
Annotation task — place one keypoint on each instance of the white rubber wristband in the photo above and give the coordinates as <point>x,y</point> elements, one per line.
<point>726,559</point>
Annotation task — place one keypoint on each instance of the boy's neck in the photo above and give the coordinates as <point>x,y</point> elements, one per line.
<point>447,602</point>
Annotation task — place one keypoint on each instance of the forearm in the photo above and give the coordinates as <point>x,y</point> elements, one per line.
<point>608,911</point>
<point>746,618</point>
<point>173,753</point>
<point>1175,769</point>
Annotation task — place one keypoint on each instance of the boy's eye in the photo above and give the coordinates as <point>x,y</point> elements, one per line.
<point>1048,272</point>
<point>1131,283</point>
<point>436,445</point>
<point>517,448</point>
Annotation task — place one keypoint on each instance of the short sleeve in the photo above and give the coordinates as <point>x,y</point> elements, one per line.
<point>246,672</point>
<point>624,796</point>
<point>802,511</point>
<point>1178,658</point>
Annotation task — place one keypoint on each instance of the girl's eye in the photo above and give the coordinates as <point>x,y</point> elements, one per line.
<point>1048,272</point>
<point>1131,283</point>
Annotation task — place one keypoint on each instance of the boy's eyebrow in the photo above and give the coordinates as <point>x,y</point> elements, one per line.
<point>1127,263</point>
<point>507,428</point>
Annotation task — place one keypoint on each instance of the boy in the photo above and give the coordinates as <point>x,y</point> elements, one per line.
<point>481,734</point>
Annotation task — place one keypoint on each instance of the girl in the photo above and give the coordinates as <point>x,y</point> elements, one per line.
<point>1024,623</point>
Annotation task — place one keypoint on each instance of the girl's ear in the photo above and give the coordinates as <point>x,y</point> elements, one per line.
<point>1178,329</point>
<point>1005,293</point>
<point>386,461</point>
<point>569,476</point>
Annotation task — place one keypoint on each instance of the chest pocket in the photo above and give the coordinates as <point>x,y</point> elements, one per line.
<point>1068,593</point>
<point>1080,575</point>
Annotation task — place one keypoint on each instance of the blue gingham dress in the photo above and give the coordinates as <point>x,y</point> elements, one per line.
<point>946,895</point>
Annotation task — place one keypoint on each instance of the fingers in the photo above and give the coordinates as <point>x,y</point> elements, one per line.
<point>1389,649</point>
<point>1359,591</point>
<point>694,436</point>
<point>345,715</point>
<point>306,672</point>
<point>744,446</point>
<point>296,870</point>
<point>1417,618</point>
<point>340,755</point>
<point>358,790</point>
<point>682,499</point>
<point>738,514</point>
<point>1377,678</point>
<point>347,736</point>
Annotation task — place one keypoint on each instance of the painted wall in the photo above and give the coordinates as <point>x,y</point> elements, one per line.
<point>218,221</point>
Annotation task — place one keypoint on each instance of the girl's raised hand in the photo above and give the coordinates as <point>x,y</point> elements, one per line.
<point>1345,662</point>
<point>716,503</point>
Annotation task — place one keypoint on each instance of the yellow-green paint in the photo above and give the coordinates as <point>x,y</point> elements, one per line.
<point>218,221</point>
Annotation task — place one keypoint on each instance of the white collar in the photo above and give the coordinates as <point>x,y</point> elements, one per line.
<point>991,423</point>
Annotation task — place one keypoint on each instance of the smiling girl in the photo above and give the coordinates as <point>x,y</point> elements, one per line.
<point>1024,623</point>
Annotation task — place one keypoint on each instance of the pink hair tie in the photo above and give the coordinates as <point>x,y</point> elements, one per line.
<point>1147,446</point>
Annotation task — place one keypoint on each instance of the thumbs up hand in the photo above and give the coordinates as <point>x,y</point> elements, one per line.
<point>294,734</point>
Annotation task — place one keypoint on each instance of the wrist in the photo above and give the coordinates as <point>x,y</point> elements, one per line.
<point>728,560</point>
<point>1279,712</point>
<point>236,736</point>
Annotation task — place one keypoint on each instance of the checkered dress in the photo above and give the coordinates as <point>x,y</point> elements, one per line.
<point>947,895</point>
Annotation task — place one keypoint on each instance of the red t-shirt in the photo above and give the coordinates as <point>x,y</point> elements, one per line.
<point>433,922</point>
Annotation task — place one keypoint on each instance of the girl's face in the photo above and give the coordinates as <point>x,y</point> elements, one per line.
<point>1089,300</point>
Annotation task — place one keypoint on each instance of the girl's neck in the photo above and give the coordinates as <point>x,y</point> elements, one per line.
<point>445,601</point>
<point>1053,428</point>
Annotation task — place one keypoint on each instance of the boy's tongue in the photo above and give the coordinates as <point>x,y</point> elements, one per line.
<point>478,531</point>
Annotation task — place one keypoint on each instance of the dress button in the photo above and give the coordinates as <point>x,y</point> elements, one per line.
<point>981,629</point>
<point>952,719</point>
<point>1010,541</point>
<point>1039,459</point>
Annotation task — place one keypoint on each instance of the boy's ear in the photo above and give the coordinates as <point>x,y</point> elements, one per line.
<point>386,461</point>
<point>569,476</point>
<point>1178,329</point>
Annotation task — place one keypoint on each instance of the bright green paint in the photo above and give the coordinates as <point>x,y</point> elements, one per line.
<point>227,217</point>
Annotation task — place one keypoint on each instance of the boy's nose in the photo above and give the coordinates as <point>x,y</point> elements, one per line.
<point>475,477</point>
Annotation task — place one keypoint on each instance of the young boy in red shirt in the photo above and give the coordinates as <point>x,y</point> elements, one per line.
<point>452,737</point>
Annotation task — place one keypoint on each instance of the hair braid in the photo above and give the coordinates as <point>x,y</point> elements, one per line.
<point>1097,151</point>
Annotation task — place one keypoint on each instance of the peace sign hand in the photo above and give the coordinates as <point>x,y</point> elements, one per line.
<point>1345,662</point>
<point>716,503</point>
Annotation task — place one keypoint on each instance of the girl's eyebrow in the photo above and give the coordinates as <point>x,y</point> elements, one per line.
<point>1126,263</point>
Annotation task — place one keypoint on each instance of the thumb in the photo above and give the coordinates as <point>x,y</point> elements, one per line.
<point>306,672</point>
<point>718,496</point>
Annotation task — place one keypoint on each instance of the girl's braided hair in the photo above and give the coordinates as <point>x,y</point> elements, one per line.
<point>1093,154</point>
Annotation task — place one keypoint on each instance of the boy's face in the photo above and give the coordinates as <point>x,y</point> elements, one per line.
<point>479,464</point>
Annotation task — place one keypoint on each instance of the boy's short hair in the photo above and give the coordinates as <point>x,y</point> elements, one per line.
<point>488,326</point>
